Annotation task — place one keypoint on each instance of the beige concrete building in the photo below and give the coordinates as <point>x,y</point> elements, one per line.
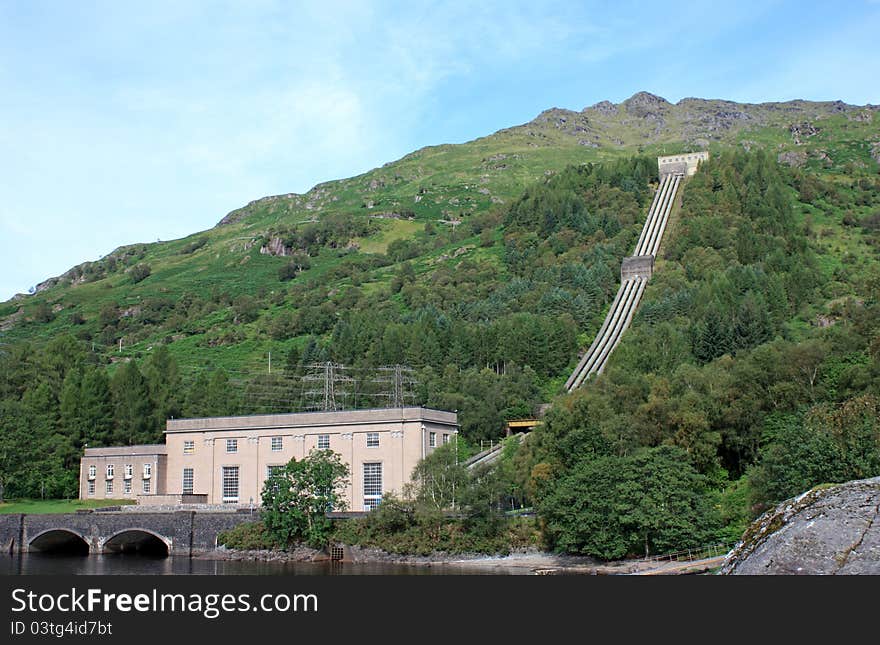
<point>225,460</point>
<point>122,472</point>
<point>684,164</point>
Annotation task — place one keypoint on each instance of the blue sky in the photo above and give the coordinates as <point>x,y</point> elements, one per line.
<point>125,122</point>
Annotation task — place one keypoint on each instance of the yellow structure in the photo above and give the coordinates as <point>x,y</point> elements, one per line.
<point>522,425</point>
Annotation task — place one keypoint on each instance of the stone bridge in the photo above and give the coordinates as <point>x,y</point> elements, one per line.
<point>159,533</point>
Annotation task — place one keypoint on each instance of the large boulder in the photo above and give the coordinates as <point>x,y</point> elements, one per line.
<point>827,530</point>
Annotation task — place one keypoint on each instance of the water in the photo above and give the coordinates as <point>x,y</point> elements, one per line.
<point>52,564</point>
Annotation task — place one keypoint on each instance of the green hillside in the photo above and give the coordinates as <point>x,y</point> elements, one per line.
<point>186,298</point>
<point>750,372</point>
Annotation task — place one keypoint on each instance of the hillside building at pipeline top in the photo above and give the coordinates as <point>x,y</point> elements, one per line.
<point>226,460</point>
<point>683,164</point>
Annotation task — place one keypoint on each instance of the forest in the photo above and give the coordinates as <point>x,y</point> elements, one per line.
<point>751,371</point>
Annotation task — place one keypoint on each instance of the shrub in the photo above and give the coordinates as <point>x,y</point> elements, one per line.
<point>194,246</point>
<point>250,535</point>
<point>298,263</point>
<point>139,272</point>
<point>43,313</point>
<point>245,308</point>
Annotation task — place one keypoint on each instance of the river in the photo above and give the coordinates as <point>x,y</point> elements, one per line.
<point>46,564</point>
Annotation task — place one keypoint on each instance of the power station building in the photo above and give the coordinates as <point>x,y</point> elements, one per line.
<point>226,460</point>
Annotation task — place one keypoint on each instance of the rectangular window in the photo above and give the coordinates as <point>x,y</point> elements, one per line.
<point>445,439</point>
<point>148,471</point>
<point>432,439</point>
<point>271,471</point>
<point>372,485</point>
<point>323,442</point>
<point>277,443</point>
<point>189,447</point>
<point>91,487</point>
<point>127,487</point>
<point>372,440</point>
<point>232,445</point>
<point>129,469</point>
<point>146,487</point>
<point>230,484</point>
<point>109,471</point>
<point>187,481</point>
<point>109,486</point>
<point>93,471</point>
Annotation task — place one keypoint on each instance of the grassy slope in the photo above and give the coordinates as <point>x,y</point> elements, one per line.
<point>440,183</point>
<point>46,506</point>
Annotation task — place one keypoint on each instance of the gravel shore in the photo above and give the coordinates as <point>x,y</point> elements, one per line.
<point>532,561</point>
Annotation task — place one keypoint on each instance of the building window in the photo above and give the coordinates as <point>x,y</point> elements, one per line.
<point>91,487</point>
<point>323,442</point>
<point>93,471</point>
<point>271,471</point>
<point>187,481</point>
<point>232,445</point>
<point>148,471</point>
<point>445,439</point>
<point>109,486</point>
<point>432,439</point>
<point>189,447</point>
<point>372,440</point>
<point>146,487</point>
<point>126,487</point>
<point>109,471</point>
<point>230,484</point>
<point>372,485</point>
<point>277,443</point>
<point>129,470</point>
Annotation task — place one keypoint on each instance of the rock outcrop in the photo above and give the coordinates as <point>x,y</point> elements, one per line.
<point>828,530</point>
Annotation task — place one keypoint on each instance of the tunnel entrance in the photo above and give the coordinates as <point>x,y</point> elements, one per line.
<point>60,541</point>
<point>136,541</point>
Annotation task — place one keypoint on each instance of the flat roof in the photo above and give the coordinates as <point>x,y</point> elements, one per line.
<point>702,154</point>
<point>127,451</point>
<point>313,419</point>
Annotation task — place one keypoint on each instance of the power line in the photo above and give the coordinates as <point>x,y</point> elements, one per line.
<point>317,386</point>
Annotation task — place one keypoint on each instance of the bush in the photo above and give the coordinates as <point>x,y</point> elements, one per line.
<point>250,536</point>
<point>402,249</point>
<point>245,309</point>
<point>405,527</point>
<point>139,272</point>
<point>298,263</point>
<point>43,313</point>
<point>194,246</point>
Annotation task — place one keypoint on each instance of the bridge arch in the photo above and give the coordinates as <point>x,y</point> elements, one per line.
<point>61,541</point>
<point>138,540</point>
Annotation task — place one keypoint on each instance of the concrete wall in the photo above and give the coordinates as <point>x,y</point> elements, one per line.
<point>685,163</point>
<point>637,265</point>
<point>171,500</point>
